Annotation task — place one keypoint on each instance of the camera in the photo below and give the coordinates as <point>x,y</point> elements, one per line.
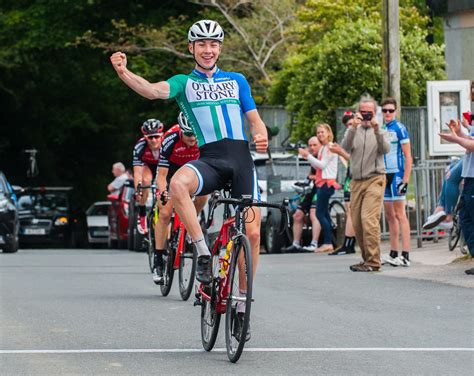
<point>367,116</point>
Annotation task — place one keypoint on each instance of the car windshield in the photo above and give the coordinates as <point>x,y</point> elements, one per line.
<point>43,202</point>
<point>98,210</point>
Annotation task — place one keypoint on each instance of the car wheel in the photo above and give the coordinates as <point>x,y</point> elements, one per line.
<point>12,247</point>
<point>274,241</point>
<point>111,243</point>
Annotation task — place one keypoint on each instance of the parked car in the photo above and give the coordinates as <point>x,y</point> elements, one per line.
<point>118,214</point>
<point>49,214</point>
<point>9,223</point>
<point>98,222</point>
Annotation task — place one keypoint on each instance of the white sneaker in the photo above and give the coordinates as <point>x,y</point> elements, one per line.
<point>387,259</point>
<point>446,225</point>
<point>402,261</point>
<point>434,220</point>
<point>310,248</point>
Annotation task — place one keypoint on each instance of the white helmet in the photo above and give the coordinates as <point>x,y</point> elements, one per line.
<point>184,125</point>
<point>206,29</point>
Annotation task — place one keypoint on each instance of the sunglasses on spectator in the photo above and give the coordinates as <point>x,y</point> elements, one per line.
<point>390,110</point>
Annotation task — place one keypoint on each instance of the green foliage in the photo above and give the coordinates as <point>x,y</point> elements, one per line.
<point>65,99</point>
<point>339,59</point>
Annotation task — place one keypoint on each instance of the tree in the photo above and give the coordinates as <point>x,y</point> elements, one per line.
<point>256,35</point>
<point>346,61</point>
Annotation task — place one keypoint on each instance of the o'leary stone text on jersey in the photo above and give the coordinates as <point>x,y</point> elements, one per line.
<point>214,106</point>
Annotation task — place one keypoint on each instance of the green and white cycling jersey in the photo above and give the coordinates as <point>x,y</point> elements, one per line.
<point>214,106</point>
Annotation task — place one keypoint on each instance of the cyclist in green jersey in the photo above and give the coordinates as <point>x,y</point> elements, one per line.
<point>215,103</point>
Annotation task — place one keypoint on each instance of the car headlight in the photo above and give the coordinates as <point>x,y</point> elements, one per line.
<point>3,205</point>
<point>61,221</point>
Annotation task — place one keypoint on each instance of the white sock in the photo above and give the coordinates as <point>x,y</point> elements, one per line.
<point>241,305</point>
<point>296,243</point>
<point>201,247</point>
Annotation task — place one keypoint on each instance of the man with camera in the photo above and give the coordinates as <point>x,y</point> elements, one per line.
<point>367,143</point>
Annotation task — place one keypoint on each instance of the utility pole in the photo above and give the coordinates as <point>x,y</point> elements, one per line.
<point>391,51</point>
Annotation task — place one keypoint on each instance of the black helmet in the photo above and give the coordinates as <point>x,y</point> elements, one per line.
<point>152,127</point>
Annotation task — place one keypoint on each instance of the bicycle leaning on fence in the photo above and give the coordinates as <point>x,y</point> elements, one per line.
<point>455,233</point>
<point>232,273</point>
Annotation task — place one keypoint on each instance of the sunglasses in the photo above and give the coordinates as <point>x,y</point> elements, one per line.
<point>390,110</point>
<point>154,137</point>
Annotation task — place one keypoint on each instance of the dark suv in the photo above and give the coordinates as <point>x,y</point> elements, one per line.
<point>47,215</point>
<point>9,225</point>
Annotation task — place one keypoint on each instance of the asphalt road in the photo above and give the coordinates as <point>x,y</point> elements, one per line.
<point>97,312</point>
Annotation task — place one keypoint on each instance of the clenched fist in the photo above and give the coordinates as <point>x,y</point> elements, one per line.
<point>119,62</point>
<point>261,143</point>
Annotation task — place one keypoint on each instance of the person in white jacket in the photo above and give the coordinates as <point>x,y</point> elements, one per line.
<point>326,173</point>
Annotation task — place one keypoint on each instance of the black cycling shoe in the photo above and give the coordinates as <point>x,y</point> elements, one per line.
<point>342,251</point>
<point>158,275</point>
<point>203,269</point>
<point>238,324</point>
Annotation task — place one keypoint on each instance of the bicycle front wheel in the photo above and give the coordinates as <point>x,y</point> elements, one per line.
<point>239,301</point>
<point>210,318</point>
<point>187,270</point>
<point>168,271</point>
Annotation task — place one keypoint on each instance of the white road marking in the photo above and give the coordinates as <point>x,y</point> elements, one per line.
<point>254,349</point>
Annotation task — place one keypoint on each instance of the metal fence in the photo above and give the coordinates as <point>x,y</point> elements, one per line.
<point>427,175</point>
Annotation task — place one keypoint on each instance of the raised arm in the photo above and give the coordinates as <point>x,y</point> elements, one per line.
<point>159,90</point>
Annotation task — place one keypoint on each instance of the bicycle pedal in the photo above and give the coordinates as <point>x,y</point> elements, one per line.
<point>197,302</point>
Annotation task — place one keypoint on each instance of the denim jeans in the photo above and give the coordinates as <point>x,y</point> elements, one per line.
<point>467,213</point>
<point>322,212</point>
<point>450,189</point>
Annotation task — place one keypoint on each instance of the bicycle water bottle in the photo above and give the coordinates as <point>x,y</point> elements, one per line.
<point>225,259</point>
<point>220,271</point>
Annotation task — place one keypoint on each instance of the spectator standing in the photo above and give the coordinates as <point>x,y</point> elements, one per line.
<point>348,246</point>
<point>398,164</point>
<point>307,206</point>
<point>367,143</point>
<point>326,174</point>
<point>118,170</point>
<point>467,196</point>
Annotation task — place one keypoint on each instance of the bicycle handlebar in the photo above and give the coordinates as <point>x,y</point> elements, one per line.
<point>216,200</point>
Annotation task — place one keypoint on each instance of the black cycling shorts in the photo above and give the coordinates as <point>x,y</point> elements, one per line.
<point>226,161</point>
<point>307,203</point>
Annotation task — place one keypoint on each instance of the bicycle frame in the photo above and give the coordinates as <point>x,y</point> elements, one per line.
<point>232,228</point>
<point>178,227</point>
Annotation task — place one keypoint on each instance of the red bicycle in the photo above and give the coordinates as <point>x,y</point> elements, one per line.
<point>230,291</point>
<point>180,254</point>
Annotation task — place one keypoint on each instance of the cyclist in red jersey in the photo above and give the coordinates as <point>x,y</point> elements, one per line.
<point>178,147</point>
<point>146,155</point>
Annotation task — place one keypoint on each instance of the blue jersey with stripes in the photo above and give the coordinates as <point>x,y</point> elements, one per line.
<point>397,135</point>
<point>214,106</point>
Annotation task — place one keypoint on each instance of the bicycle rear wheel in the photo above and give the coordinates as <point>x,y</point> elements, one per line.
<point>168,271</point>
<point>237,316</point>
<point>454,234</point>
<point>337,213</point>
<point>187,270</point>
<point>210,319</point>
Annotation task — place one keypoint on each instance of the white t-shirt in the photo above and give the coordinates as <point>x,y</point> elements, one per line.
<point>118,182</point>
